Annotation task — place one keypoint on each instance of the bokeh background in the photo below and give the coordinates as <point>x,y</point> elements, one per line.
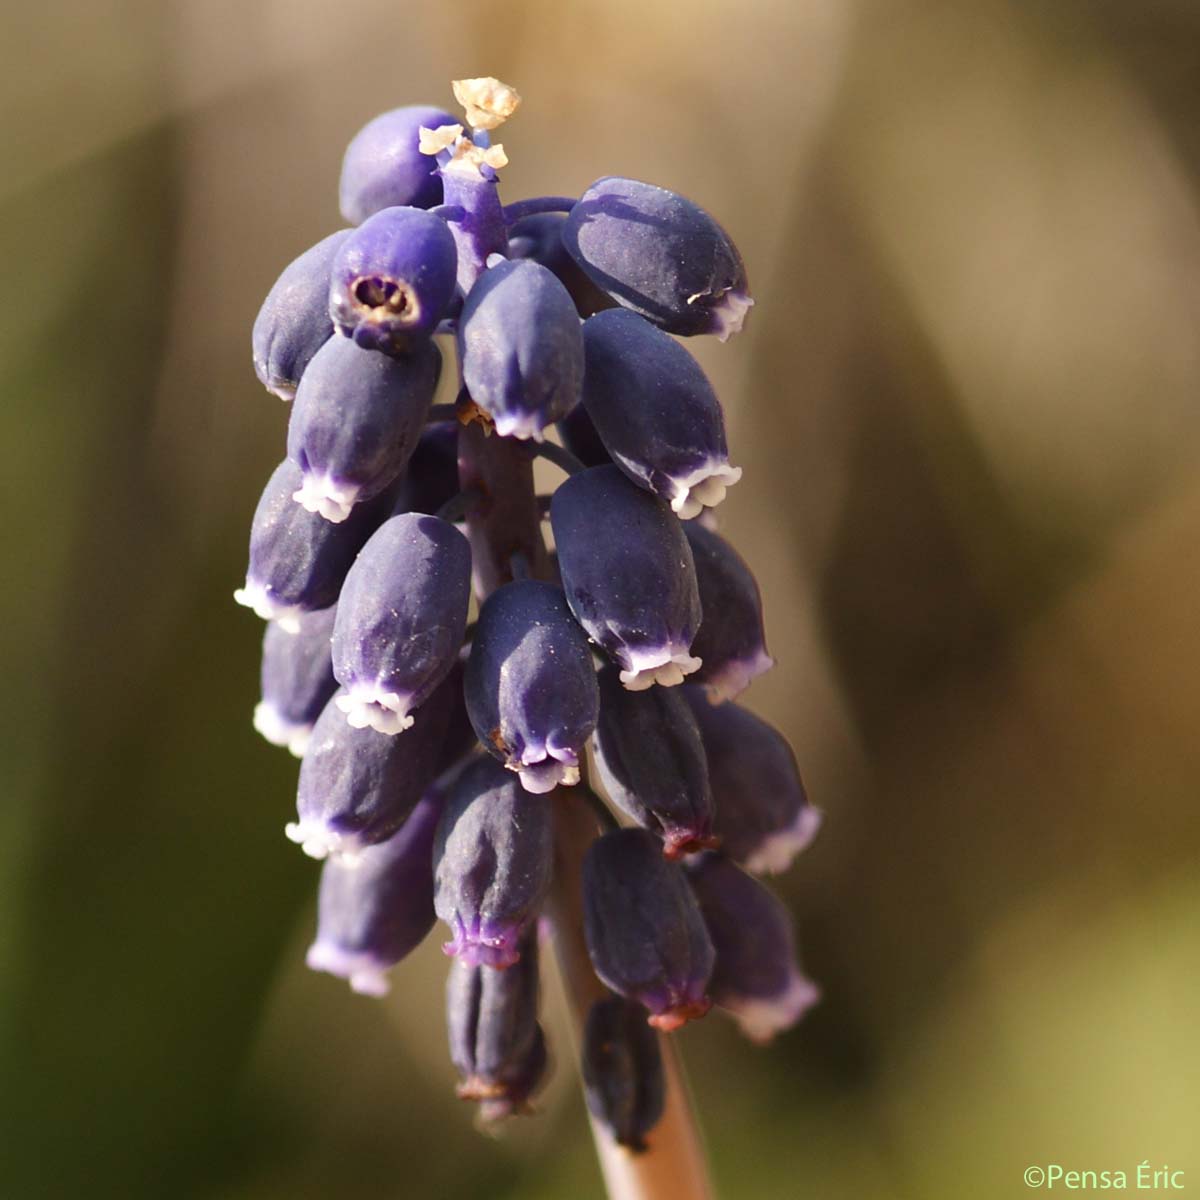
<point>967,409</point>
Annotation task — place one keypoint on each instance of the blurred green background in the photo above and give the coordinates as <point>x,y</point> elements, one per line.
<point>967,406</point>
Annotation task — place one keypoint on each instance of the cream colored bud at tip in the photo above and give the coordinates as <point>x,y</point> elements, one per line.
<point>488,102</point>
<point>434,141</point>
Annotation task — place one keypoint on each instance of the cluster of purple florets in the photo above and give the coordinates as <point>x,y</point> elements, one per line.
<point>436,750</point>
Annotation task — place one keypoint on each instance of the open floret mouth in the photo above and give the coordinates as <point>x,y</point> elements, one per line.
<point>364,972</point>
<point>667,667</point>
<point>381,299</point>
<point>762,1017</point>
<point>370,707</point>
<point>774,854</point>
<point>702,488</point>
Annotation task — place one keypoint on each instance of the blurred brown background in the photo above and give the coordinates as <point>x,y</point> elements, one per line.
<point>967,408</point>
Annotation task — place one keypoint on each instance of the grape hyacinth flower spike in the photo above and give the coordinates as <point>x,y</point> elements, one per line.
<point>444,768</point>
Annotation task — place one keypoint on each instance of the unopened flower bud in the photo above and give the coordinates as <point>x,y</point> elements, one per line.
<point>730,641</point>
<point>357,786</point>
<point>660,255</point>
<point>356,421</point>
<point>293,323</point>
<point>622,1071</point>
<point>401,619</point>
<point>384,166</point>
<point>628,575</point>
<point>656,412</point>
<point>297,680</point>
<point>764,818</point>
<point>530,684</point>
<point>645,935</point>
<point>651,762</point>
<point>540,237</point>
<point>756,977</point>
<point>375,912</point>
<point>521,348</point>
<point>496,1043</point>
<point>298,560</point>
<point>493,859</point>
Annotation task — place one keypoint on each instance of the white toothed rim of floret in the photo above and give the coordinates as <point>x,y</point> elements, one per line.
<point>666,666</point>
<point>321,494</point>
<point>367,705</point>
<point>526,426</point>
<point>731,680</point>
<point>762,1017</point>
<point>705,487</point>
<point>487,102</point>
<point>434,141</point>
<point>279,731</point>
<point>728,314</point>
<point>317,840</point>
<point>364,972</point>
<point>542,770</point>
<point>774,855</point>
<point>258,597</point>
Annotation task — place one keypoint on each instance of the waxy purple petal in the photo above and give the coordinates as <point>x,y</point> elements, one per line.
<point>756,977</point>
<point>293,323</point>
<point>628,575</point>
<point>731,642</point>
<point>383,167</point>
<point>492,863</point>
<point>521,348</point>
<point>530,684</point>
<point>622,1071</point>
<point>662,256</point>
<point>297,680</point>
<point>356,421</point>
<point>764,818</point>
<point>392,279</point>
<point>298,560</point>
<point>651,762</point>
<point>539,237</point>
<point>401,619</point>
<point>375,912</point>
<point>645,935</point>
<point>656,412</point>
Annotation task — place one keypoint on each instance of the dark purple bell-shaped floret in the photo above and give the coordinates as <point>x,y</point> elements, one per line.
<point>756,977</point>
<point>383,167</point>
<point>356,420</point>
<point>521,348</point>
<point>298,560</point>
<point>430,479</point>
<point>651,762</point>
<point>531,685</point>
<point>660,255</point>
<point>393,278</point>
<point>375,912</point>
<point>731,643</point>
<point>401,619</point>
<point>540,237</point>
<point>496,1043</point>
<point>764,818</point>
<point>492,863</point>
<point>656,412</point>
<point>645,935</point>
<point>622,1071</point>
<point>297,680</point>
<point>579,436</point>
<point>293,323</point>
<point>357,786</point>
<point>628,575</point>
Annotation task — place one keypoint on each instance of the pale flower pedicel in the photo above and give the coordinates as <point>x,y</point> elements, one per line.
<point>440,760</point>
